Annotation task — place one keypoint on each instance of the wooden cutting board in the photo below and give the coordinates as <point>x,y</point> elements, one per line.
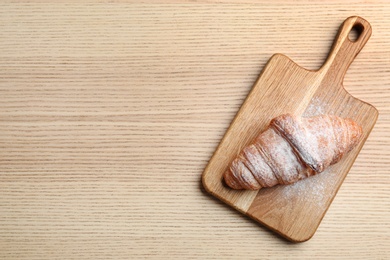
<point>294,211</point>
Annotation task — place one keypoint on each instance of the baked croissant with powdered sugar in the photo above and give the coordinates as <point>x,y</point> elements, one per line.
<point>292,149</point>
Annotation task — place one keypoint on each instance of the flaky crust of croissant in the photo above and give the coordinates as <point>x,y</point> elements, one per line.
<point>292,149</point>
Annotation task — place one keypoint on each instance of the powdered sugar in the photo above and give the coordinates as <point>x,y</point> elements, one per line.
<point>316,107</point>
<point>309,191</point>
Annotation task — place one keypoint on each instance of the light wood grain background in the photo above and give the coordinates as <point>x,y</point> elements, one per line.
<point>109,112</point>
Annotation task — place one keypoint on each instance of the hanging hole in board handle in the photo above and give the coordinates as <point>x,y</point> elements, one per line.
<point>356,32</point>
<point>351,38</point>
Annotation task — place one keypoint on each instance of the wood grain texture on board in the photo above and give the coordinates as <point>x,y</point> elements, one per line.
<point>294,211</point>
<point>110,111</point>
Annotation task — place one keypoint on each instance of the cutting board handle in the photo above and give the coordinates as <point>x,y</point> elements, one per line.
<point>344,49</point>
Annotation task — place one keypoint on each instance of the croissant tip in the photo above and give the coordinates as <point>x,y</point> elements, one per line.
<point>231,181</point>
<point>356,131</point>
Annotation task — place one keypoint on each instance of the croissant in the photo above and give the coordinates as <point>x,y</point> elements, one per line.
<point>292,149</point>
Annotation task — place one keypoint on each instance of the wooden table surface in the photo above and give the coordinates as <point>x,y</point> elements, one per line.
<point>109,112</point>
